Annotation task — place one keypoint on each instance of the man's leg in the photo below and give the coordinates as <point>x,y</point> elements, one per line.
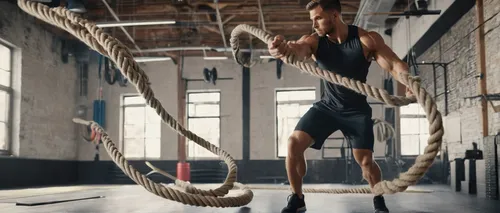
<point>370,168</point>
<point>372,174</point>
<point>359,131</point>
<point>296,166</point>
<point>311,131</point>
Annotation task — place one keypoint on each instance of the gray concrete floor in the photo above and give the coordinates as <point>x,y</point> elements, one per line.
<point>135,199</point>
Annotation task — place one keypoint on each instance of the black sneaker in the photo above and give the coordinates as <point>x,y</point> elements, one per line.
<point>295,204</point>
<point>379,204</point>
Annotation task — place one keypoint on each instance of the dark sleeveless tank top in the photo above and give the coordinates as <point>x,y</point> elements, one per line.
<point>346,59</point>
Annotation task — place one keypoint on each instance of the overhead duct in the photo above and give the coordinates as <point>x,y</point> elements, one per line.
<point>364,18</point>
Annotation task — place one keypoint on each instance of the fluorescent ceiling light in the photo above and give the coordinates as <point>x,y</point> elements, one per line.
<point>151,59</point>
<point>215,58</point>
<point>132,23</point>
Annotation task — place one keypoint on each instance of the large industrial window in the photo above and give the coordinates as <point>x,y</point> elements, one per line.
<point>203,119</point>
<point>414,129</point>
<point>5,98</point>
<point>141,129</point>
<point>291,105</point>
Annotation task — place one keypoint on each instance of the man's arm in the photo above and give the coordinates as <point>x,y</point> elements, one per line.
<point>303,48</point>
<point>385,57</point>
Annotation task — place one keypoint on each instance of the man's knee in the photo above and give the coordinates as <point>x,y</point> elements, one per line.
<point>364,158</point>
<point>366,164</point>
<point>298,142</point>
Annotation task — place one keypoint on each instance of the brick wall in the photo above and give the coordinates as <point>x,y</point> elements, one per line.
<point>463,122</point>
<point>44,101</point>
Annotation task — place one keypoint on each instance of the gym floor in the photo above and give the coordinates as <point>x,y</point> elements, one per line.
<point>48,77</point>
<point>132,198</point>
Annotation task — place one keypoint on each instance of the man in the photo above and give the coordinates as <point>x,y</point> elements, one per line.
<point>348,51</point>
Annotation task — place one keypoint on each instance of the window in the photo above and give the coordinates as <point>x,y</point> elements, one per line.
<point>414,129</point>
<point>291,105</point>
<point>141,129</point>
<point>5,97</point>
<point>203,119</point>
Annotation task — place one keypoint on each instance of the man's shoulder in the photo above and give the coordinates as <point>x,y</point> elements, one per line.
<point>370,39</point>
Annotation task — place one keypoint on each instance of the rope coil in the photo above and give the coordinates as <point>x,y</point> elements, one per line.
<point>110,47</point>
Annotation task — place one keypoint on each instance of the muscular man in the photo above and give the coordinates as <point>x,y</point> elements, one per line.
<point>346,50</point>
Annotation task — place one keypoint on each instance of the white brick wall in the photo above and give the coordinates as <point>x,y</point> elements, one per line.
<point>45,98</point>
<point>461,80</point>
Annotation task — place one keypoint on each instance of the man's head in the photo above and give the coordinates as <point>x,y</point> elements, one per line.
<point>325,14</point>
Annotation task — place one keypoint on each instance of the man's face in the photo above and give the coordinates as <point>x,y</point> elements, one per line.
<point>322,21</point>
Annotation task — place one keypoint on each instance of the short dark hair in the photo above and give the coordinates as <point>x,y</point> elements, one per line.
<point>325,5</point>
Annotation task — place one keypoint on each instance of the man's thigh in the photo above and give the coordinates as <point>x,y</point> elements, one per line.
<point>318,125</point>
<point>358,131</point>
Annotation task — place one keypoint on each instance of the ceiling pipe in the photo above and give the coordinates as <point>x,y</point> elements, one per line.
<point>219,21</point>
<point>262,16</point>
<point>134,23</point>
<point>121,27</point>
<point>366,21</point>
<point>217,49</point>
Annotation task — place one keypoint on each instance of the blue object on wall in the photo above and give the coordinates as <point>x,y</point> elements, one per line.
<point>100,112</point>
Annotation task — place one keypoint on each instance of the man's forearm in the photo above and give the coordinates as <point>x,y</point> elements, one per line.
<point>302,52</point>
<point>400,72</point>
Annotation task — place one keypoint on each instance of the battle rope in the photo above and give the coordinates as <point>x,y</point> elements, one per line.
<point>108,46</point>
<point>383,130</point>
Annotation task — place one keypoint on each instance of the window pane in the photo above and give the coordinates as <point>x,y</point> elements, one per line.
<point>153,130</point>
<point>199,110</point>
<point>133,100</point>
<point>204,97</point>
<point>411,125</point>
<point>151,116</point>
<point>296,95</point>
<point>412,109</point>
<point>133,130</point>
<point>423,142</point>
<point>5,59</point>
<point>4,78</point>
<point>288,110</point>
<point>4,106</point>
<point>134,147</point>
<point>3,136</point>
<point>303,109</point>
<point>289,113</point>
<point>153,147</point>
<point>410,144</point>
<point>423,126</point>
<point>134,115</point>
<point>207,128</point>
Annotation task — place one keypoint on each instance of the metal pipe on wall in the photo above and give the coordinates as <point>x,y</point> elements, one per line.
<point>481,64</point>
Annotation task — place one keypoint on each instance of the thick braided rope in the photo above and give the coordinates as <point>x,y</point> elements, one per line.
<point>383,130</point>
<point>424,161</point>
<point>117,52</point>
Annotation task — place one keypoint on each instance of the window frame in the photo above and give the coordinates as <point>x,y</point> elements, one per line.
<point>122,127</point>
<point>10,91</point>
<point>291,89</point>
<point>188,92</point>
<point>401,143</point>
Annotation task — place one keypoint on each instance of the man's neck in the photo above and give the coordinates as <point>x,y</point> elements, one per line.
<point>341,33</point>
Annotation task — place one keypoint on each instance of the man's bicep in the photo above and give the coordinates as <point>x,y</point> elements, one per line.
<point>308,44</point>
<point>384,55</point>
